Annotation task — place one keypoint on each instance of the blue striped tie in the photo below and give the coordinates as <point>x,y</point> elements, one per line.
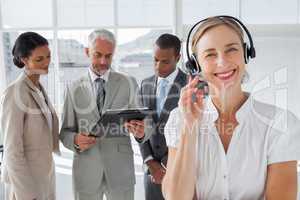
<point>161,96</point>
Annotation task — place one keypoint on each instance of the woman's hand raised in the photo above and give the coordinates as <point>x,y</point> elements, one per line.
<point>191,101</point>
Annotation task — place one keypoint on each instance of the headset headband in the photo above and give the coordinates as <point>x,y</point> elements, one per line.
<point>251,47</point>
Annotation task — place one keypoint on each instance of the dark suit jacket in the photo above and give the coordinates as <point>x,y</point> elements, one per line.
<point>155,145</point>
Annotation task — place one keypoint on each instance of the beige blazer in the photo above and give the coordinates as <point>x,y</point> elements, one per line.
<point>29,140</point>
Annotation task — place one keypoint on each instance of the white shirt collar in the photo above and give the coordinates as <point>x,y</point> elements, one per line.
<point>169,78</point>
<point>95,76</point>
<point>212,112</point>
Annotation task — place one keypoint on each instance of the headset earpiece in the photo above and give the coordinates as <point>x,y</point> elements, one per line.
<point>252,52</point>
<point>192,64</point>
<point>246,52</point>
<point>249,52</point>
<point>197,65</point>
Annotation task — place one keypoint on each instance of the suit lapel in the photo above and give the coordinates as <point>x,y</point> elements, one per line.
<point>39,102</point>
<point>152,97</point>
<point>37,98</point>
<point>111,89</point>
<point>173,96</point>
<point>54,122</point>
<point>87,95</point>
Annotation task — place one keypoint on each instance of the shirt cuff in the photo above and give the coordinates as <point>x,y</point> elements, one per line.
<point>148,158</point>
<point>140,140</point>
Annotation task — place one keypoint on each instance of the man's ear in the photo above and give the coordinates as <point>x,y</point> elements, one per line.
<point>86,51</point>
<point>178,58</point>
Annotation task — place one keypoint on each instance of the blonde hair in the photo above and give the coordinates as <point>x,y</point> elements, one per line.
<point>214,22</point>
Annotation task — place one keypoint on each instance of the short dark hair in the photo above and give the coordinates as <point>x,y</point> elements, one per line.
<point>166,41</point>
<point>25,44</point>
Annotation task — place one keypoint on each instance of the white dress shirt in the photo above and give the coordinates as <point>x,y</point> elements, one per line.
<point>95,76</point>
<point>170,79</point>
<point>265,135</point>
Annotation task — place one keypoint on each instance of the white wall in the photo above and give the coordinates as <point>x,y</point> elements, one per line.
<point>275,72</point>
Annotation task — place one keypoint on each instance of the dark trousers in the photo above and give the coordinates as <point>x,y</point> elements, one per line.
<point>152,191</point>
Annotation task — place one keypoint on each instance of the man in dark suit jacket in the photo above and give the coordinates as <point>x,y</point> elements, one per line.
<point>160,93</point>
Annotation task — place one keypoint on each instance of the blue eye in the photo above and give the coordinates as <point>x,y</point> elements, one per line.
<point>232,49</point>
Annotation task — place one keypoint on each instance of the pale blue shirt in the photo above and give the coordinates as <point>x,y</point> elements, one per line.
<point>170,79</point>
<point>265,135</point>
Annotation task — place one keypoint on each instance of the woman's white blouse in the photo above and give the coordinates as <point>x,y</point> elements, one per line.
<point>265,135</point>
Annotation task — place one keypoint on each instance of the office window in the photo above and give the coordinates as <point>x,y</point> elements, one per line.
<point>195,10</point>
<point>135,51</point>
<point>26,14</point>
<point>145,12</point>
<point>72,61</point>
<point>85,13</point>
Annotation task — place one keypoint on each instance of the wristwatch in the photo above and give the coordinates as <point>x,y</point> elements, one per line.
<point>77,148</point>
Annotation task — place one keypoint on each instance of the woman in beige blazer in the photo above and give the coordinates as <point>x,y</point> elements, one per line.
<point>29,124</point>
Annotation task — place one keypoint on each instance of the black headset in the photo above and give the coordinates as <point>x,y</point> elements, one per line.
<point>192,64</point>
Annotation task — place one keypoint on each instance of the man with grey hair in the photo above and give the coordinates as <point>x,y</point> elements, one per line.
<point>103,157</point>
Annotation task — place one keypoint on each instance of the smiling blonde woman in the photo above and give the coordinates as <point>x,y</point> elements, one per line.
<point>228,145</point>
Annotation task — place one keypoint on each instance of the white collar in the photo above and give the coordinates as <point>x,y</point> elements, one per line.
<point>212,112</point>
<point>95,76</point>
<point>169,78</point>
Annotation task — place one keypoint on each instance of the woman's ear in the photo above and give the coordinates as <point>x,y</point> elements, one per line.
<point>25,61</point>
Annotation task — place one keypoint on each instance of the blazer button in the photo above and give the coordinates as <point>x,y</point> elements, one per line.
<point>157,146</point>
